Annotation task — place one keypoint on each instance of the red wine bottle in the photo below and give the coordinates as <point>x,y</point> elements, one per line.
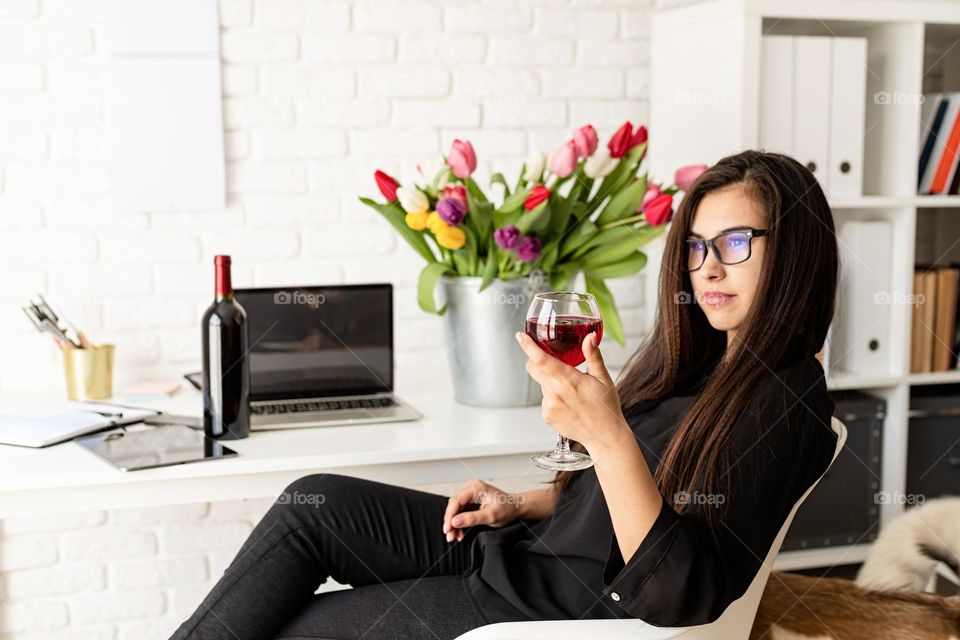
<point>562,336</point>
<point>226,367</point>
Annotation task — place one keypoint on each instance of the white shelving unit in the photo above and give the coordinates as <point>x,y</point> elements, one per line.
<point>709,53</point>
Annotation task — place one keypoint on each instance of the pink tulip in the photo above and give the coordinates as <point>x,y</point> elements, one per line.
<point>563,160</point>
<point>585,139</point>
<point>462,159</point>
<point>653,190</point>
<point>686,176</point>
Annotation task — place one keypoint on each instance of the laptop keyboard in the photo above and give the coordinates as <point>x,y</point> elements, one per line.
<point>312,406</point>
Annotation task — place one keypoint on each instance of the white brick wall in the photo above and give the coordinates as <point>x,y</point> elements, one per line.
<point>317,95</point>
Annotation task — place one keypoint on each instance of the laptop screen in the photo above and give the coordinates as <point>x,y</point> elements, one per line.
<point>319,341</point>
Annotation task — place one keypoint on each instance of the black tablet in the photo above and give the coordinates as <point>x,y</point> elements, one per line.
<point>145,446</point>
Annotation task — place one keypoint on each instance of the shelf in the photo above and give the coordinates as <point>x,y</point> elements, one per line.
<point>814,558</point>
<point>889,202</point>
<point>841,380</point>
<point>939,377</point>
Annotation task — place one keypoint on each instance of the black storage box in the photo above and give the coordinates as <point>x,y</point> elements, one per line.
<point>844,507</point>
<point>933,443</point>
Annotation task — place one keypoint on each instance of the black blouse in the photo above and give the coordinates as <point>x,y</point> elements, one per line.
<point>569,565</point>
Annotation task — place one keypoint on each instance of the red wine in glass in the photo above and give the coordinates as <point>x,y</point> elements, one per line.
<point>558,321</point>
<point>562,336</point>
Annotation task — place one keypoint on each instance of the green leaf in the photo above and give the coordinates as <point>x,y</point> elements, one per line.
<point>559,214</point>
<point>549,258</point>
<point>621,248</point>
<point>612,324</point>
<point>490,271</point>
<point>396,216</point>
<point>559,279</point>
<point>604,238</point>
<point>499,179</point>
<point>580,234</point>
<point>621,268</point>
<point>624,203</point>
<point>513,202</point>
<point>474,191</point>
<point>525,223</point>
<point>427,283</point>
<point>461,262</point>
<point>624,172</point>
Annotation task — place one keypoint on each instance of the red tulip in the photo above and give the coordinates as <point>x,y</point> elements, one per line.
<point>658,210</point>
<point>387,185</point>
<point>539,194</point>
<point>620,142</point>
<point>625,139</point>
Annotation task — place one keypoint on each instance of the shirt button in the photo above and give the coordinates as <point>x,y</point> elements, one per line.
<point>615,596</point>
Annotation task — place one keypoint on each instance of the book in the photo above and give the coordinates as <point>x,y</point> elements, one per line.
<point>41,426</point>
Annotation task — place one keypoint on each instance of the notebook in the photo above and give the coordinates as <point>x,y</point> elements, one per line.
<point>31,426</point>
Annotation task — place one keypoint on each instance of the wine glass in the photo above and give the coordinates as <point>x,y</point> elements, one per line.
<point>558,321</point>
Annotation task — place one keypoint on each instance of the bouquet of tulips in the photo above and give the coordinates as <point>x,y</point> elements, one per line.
<point>585,208</point>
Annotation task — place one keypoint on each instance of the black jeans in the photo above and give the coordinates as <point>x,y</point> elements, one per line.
<point>385,541</point>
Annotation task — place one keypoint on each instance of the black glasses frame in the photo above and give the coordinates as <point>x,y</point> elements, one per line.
<point>711,246</point>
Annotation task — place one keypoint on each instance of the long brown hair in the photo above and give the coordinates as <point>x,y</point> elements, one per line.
<point>788,321</point>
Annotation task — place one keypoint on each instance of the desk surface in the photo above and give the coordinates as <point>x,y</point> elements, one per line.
<point>452,442</point>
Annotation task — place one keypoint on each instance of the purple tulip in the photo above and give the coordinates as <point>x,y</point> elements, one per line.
<point>528,249</point>
<point>451,210</point>
<point>506,237</point>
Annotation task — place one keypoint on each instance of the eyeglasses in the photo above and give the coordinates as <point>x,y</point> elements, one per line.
<point>730,247</point>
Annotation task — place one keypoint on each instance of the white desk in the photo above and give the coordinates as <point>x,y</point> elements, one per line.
<point>452,443</point>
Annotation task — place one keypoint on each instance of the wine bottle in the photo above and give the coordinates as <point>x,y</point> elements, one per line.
<point>226,366</point>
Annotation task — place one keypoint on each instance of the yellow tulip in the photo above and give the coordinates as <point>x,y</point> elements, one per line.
<point>450,237</point>
<point>434,221</point>
<point>416,221</point>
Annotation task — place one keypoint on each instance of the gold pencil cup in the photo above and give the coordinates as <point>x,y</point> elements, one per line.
<point>89,372</point>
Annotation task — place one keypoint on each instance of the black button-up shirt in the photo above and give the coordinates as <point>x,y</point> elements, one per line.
<point>569,565</point>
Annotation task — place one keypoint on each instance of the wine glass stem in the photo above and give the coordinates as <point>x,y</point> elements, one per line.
<point>562,450</point>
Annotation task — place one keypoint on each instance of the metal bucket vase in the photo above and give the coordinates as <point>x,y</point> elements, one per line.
<point>486,363</point>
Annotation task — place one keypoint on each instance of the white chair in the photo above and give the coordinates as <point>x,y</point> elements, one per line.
<point>734,624</point>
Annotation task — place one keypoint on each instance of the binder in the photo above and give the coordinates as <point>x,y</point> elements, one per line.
<point>865,298</point>
<point>948,158</point>
<point>812,106</point>
<point>777,97</point>
<point>848,91</point>
<point>812,112</point>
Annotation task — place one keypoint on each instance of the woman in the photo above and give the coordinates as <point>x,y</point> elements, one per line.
<point>720,423</point>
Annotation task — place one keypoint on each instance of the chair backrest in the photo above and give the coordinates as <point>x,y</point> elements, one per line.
<point>737,620</point>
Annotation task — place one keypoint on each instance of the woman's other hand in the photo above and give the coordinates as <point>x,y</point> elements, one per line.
<point>496,508</point>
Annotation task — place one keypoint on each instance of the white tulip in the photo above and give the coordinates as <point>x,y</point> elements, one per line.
<point>600,164</point>
<point>536,162</point>
<point>430,168</point>
<point>412,200</point>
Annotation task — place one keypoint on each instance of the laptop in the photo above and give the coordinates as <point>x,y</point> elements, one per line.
<point>322,356</point>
